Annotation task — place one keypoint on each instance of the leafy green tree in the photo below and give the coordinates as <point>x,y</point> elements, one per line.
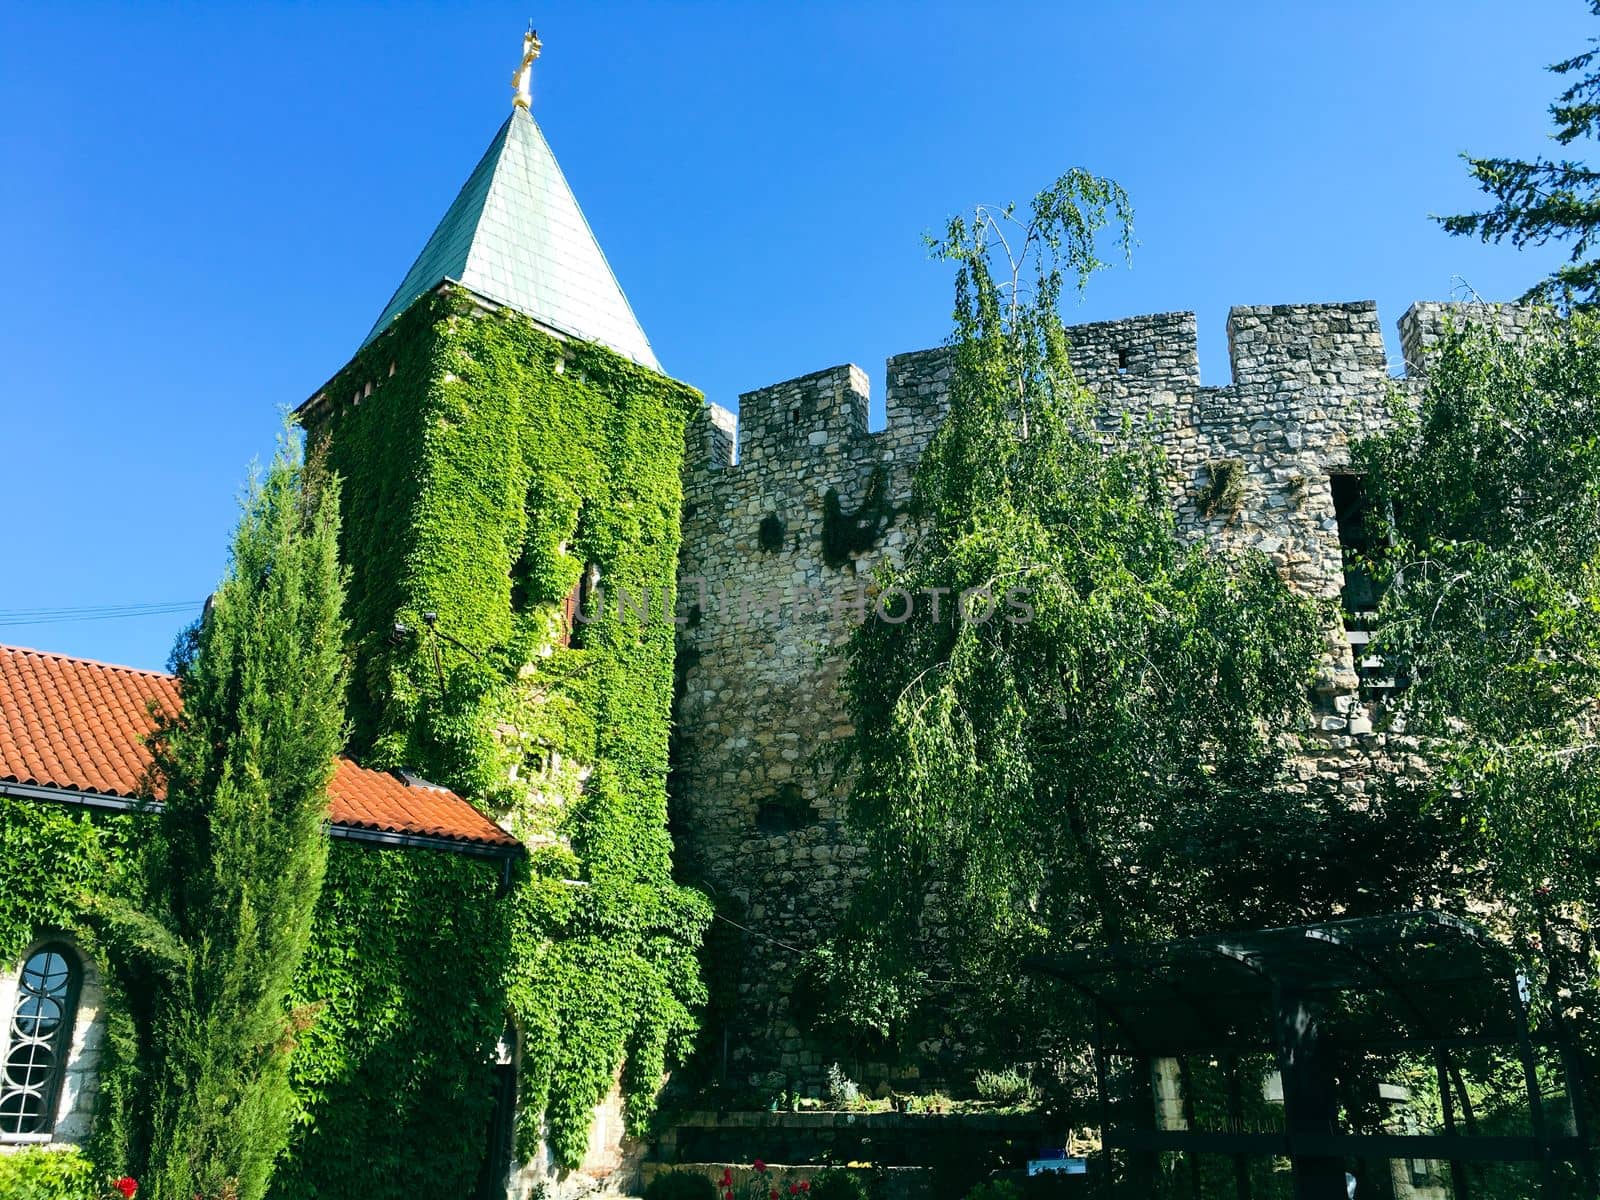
<point>1058,762</point>
<point>234,864</point>
<point>1542,200</point>
<point>1490,494</point>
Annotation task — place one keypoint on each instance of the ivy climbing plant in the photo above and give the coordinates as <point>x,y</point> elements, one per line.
<point>379,1059</point>
<point>489,469</point>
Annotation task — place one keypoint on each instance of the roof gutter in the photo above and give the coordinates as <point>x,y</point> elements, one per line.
<point>98,800</point>
<point>423,841</point>
<point>355,833</point>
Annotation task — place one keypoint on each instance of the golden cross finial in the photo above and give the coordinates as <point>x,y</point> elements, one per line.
<point>522,81</point>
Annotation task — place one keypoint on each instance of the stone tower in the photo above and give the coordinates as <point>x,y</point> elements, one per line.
<point>507,448</point>
<point>477,433</point>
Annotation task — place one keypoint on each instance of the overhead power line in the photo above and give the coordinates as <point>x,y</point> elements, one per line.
<point>10,617</point>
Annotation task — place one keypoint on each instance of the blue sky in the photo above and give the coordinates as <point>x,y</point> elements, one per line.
<point>205,206</point>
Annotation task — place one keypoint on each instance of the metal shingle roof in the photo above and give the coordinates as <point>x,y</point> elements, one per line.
<point>516,236</point>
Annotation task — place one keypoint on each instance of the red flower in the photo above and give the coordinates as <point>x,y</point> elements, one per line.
<point>727,1176</point>
<point>774,1195</point>
<point>127,1185</point>
<point>728,1195</point>
<point>805,1185</point>
<point>759,1165</point>
<point>794,1189</point>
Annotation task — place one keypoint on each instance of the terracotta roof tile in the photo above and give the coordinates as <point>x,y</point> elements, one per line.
<point>80,725</point>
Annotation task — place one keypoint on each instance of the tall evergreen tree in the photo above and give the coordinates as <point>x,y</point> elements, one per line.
<point>1542,200</point>
<point>234,866</point>
<point>1079,763</point>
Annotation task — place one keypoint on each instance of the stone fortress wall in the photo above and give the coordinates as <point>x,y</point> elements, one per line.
<point>758,708</point>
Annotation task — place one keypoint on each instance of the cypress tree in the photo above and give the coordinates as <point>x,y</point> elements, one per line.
<point>235,865</point>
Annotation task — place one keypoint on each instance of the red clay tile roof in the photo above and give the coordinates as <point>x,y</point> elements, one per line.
<point>76,724</point>
<point>376,800</point>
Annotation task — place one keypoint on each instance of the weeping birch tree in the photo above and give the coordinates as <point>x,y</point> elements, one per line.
<point>1100,756</point>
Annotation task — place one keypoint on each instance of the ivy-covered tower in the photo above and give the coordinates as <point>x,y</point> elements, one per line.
<point>510,450</point>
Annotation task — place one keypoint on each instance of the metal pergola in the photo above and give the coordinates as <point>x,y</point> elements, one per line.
<point>1311,997</point>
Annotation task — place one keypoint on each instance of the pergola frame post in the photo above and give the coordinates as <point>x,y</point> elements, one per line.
<point>1447,1105</point>
<point>1530,1077</point>
<point>1241,1163</point>
<point>1110,1166</point>
<point>1186,1084</point>
<point>1309,1102</point>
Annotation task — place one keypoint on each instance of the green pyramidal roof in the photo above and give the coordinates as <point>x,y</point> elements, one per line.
<point>516,236</point>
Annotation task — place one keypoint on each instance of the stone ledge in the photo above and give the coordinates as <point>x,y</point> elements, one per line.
<point>899,1183</point>
<point>922,1122</point>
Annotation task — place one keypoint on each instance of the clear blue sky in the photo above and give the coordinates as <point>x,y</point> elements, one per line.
<point>205,206</point>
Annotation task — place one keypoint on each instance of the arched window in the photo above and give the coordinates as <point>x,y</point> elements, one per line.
<point>38,1038</point>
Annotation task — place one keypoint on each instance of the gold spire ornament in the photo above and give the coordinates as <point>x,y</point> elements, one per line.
<point>522,81</point>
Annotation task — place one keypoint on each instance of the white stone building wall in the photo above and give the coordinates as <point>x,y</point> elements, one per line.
<point>610,1166</point>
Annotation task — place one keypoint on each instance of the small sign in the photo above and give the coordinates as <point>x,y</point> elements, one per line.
<point>1058,1166</point>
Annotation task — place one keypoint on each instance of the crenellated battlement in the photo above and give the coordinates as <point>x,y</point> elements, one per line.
<point>1423,325</point>
<point>826,410</point>
<point>1307,379</point>
<point>762,535</point>
<point>1328,344</point>
<point>819,413</point>
<point>1127,361</point>
<point>1156,350</point>
<point>712,435</point>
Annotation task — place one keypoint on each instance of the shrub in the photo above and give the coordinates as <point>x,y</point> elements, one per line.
<point>834,1183</point>
<point>842,1090</point>
<point>39,1174</point>
<point>680,1185</point>
<point>846,995</point>
<point>933,1102</point>
<point>1224,490</point>
<point>995,1189</point>
<point>1052,1185</point>
<point>1009,1086</point>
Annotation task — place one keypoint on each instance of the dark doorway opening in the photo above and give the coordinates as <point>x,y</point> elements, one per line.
<point>1356,543</point>
<point>500,1150</point>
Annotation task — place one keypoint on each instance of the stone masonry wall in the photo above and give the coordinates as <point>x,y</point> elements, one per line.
<point>758,705</point>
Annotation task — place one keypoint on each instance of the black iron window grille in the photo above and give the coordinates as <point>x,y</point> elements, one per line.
<point>39,1038</point>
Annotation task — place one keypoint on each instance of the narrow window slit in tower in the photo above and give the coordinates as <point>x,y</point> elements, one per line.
<point>582,606</point>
